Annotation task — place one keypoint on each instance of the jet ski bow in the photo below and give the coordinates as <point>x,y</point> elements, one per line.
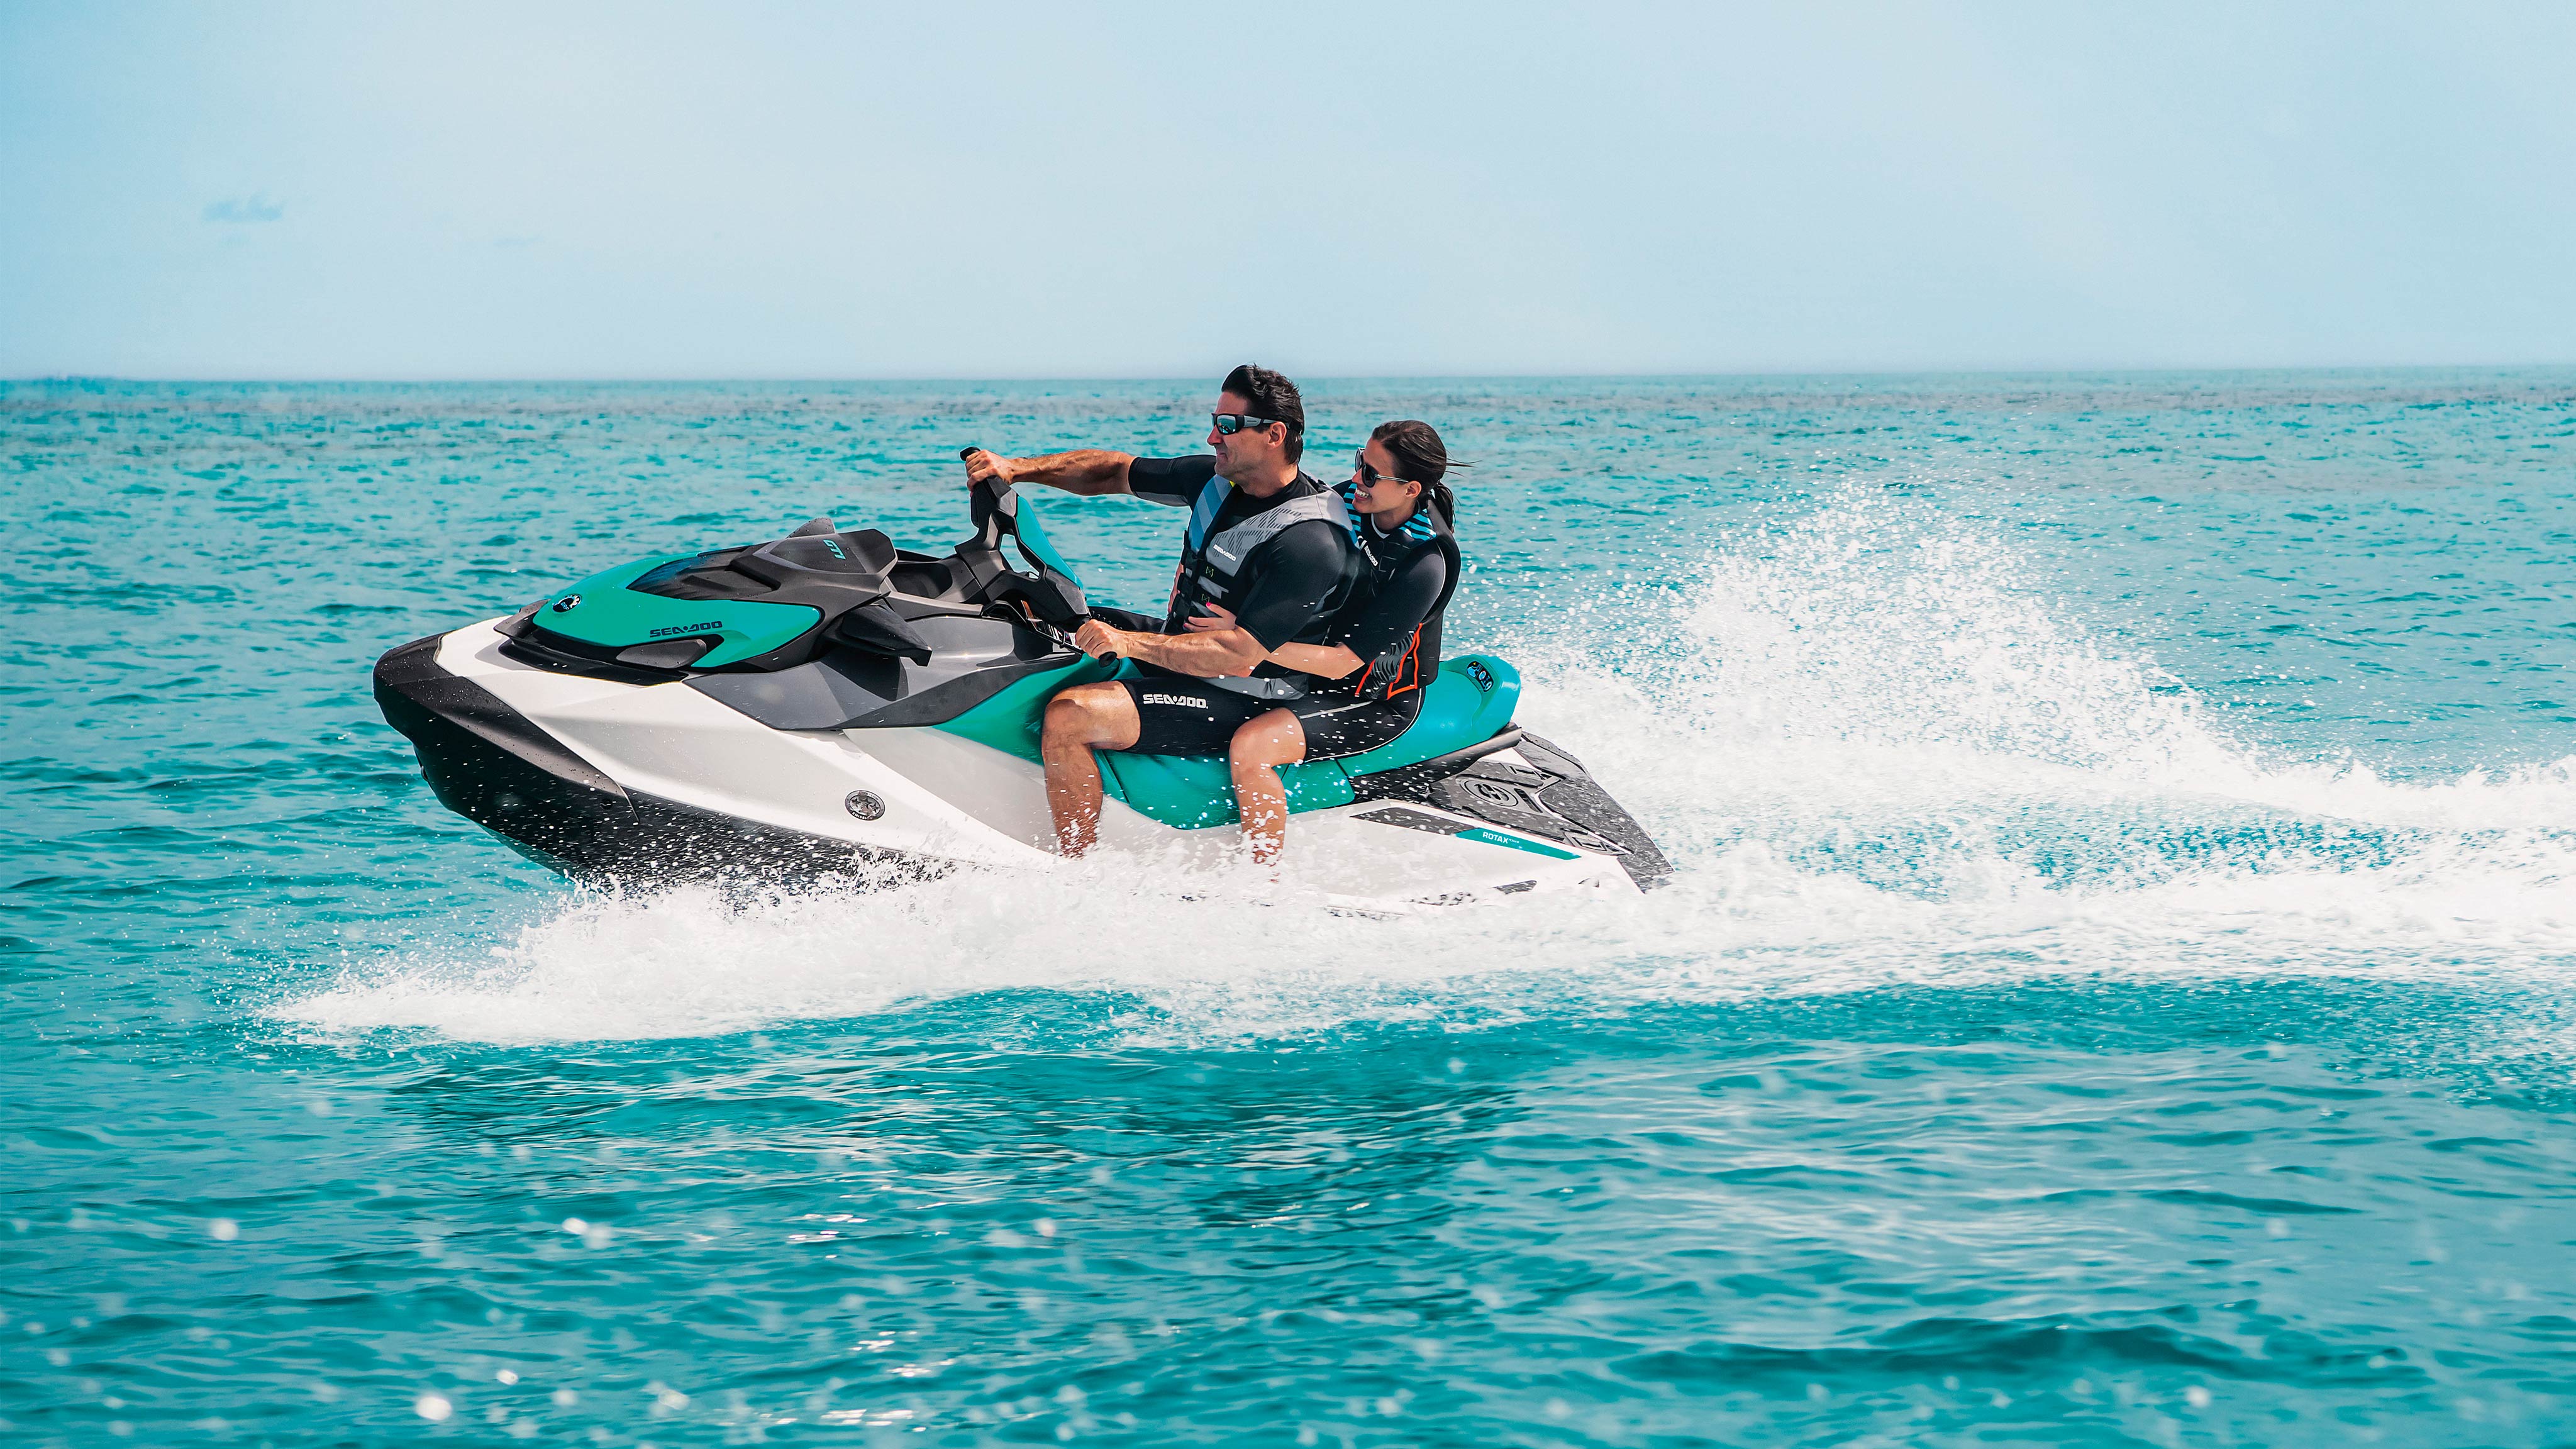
<point>826,701</point>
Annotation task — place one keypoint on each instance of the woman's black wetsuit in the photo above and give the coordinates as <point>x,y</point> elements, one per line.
<point>1392,622</point>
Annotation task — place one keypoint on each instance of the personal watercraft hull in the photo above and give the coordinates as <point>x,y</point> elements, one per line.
<point>610,777</point>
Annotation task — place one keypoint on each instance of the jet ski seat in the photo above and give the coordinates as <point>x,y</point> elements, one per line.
<point>1470,702</point>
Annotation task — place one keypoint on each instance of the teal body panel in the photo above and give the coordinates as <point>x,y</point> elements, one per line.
<point>1033,541</point>
<point>1471,701</point>
<point>1194,792</point>
<point>1010,721</point>
<point>614,616</point>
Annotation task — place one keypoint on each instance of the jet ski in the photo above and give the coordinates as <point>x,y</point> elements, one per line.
<point>830,703</point>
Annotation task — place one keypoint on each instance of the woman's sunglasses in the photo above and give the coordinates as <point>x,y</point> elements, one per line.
<point>1230,424</point>
<point>1373,477</point>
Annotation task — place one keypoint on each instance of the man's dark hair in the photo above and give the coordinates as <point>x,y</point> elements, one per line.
<point>1271,396</point>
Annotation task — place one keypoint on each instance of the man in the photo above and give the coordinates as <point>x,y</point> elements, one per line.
<point>1265,541</point>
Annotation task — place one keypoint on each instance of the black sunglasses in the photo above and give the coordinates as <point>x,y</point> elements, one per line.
<point>1230,424</point>
<point>1373,477</point>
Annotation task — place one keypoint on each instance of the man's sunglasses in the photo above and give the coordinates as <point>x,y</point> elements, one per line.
<point>1230,424</point>
<point>1373,477</point>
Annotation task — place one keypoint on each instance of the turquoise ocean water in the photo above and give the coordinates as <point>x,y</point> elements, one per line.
<point>2117,988</point>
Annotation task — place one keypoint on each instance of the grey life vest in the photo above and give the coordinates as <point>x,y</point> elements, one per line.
<point>1210,563</point>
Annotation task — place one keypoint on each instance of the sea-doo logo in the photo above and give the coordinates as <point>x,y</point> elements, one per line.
<point>688,629</point>
<point>1484,677</point>
<point>1183,700</point>
<point>567,603</point>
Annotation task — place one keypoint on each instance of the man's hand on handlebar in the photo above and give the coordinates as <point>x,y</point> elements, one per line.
<point>1095,637</point>
<point>981,465</point>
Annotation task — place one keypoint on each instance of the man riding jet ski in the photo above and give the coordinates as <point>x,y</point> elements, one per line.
<point>1266,544</point>
<point>827,700</point>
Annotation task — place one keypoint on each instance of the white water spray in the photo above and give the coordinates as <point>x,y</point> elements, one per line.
<point>1875,759</point>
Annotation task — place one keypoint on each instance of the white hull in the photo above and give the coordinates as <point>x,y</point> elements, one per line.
<point>946,799</point>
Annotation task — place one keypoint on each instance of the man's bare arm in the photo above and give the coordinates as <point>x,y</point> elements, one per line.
<point>1227,652</point>
<point>1325,661</point>
<point>1088,471</point>
<point>1216,654</point>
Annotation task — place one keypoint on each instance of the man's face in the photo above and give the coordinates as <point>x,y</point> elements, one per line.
<point>1255,448</point>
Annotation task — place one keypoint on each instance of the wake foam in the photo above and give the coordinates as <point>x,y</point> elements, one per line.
<point>1875,758</point>
<point>1211,962</point>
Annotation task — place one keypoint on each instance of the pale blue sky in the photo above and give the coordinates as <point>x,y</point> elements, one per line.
<point>520,190</point>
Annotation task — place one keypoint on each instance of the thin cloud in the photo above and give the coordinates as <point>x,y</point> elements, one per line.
<point>239,209</point>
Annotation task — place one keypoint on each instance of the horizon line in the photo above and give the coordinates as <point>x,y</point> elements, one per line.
<point>822,380</point>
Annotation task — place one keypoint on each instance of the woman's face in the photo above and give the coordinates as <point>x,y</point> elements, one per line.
<point>1388,492</point>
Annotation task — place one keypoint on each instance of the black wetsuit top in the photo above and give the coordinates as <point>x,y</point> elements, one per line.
<point>1383,622</point>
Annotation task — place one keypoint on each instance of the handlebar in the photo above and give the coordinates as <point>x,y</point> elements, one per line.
<point>985,507</point>
<point>993,506</point>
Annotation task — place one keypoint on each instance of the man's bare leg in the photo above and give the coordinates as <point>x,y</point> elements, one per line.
<point>1083,718</point>
<point>1259,748</point>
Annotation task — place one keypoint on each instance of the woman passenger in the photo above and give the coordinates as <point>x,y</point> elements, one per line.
<point>1384,644</point>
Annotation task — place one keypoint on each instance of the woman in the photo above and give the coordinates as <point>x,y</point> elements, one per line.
<point>1384,644</point>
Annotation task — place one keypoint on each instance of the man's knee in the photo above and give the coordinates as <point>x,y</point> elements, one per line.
<point>1070,719</point>
<point>1090,714</point>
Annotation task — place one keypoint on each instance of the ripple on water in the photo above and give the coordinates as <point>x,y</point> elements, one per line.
<point>2114,989</point>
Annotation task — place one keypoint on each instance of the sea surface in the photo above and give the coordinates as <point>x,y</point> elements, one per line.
<point>2119,986</point>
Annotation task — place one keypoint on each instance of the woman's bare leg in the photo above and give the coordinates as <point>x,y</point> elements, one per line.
<point>1258,750</point>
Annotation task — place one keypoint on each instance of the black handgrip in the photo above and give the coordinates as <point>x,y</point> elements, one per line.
<point>984,506</point>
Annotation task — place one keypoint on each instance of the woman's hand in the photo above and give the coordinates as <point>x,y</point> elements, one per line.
<point>1217,617</point>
